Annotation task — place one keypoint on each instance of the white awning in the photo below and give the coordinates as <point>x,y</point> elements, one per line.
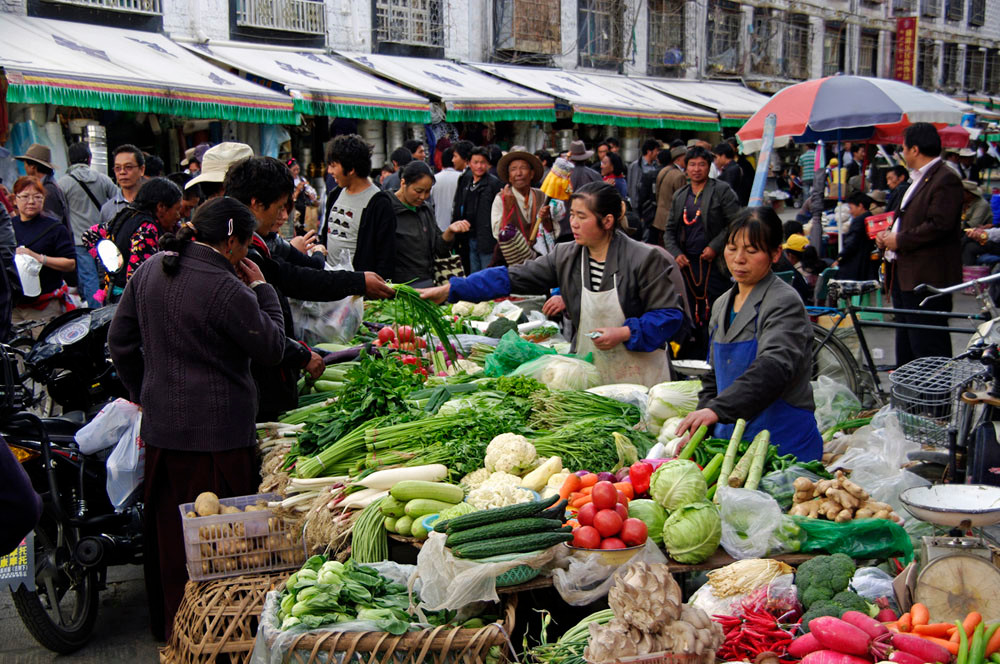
<point>94,66</point>
<point>733,102</point>
<point>321,84</point>
<point>467,94</point>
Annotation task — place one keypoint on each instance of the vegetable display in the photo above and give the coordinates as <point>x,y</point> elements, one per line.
<point>513,529</point>
<point>839,500</point>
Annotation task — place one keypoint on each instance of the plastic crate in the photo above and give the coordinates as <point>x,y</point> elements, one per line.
<point>225,545</point>
<point>924,393</point>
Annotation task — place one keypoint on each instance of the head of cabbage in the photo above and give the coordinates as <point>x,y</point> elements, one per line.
<point>692,533</point>
<point>650,514</point>
<point>677,483</point>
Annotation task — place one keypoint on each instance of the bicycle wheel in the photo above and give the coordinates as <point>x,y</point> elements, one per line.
<point>833,360</point>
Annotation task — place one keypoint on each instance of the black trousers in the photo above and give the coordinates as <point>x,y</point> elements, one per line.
<point>913,344</point>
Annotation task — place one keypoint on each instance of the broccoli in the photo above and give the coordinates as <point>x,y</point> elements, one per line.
<point>851,601</point>
<point>842,602</point>
<point>823,577</point>
<point>499,327</point>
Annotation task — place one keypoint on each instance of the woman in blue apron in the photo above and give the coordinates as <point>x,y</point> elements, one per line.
<point>760,347</point>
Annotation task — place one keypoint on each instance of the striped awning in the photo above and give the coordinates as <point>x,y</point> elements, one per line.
<point>733,102</point>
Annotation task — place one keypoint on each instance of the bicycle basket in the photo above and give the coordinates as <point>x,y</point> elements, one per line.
<point>924,392</point>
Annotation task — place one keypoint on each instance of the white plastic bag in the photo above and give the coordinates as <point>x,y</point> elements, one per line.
<point>329,322</point>
<point>582,578</point>
<point>558,372</point>
<point>107,427</point>
<point>126,466</point>
<point>749,519</point>
<point>834,402</point>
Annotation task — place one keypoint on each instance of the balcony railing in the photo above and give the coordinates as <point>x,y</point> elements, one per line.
<point>305,16</point>
<point>151,7</point>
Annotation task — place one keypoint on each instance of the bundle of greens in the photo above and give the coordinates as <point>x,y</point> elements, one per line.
<point>551,410</point>
<point>425,316</point>
<point>595,443</point>
<point>570,646</point>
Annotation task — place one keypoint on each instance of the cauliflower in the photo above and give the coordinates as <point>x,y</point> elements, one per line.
<point>557,480</point>
<point>499,490</point>
<point>474,479</point>
<point>482,310</point>
<point>510,453</point>
<point>462,308</point>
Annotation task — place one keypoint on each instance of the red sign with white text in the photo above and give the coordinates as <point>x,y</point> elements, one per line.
<point>905,68</point>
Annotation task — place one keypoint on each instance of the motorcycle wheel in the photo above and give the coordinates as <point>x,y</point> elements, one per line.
<point>60,613</point>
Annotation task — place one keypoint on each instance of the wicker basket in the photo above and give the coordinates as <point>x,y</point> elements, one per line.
<point>218,620</point>
<point>440,645</point>
<point>661,658</point>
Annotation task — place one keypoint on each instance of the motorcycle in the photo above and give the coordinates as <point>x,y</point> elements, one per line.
<point>80,534</point>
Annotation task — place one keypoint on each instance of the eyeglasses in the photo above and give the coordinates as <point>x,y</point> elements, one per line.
<point>38,198</point>
<point>127,168</point>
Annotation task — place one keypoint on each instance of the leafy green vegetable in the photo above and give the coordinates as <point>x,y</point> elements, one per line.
<point>500,327</point>
<point>677,483</point>
<point>692,533</point>
<point>551,410</point>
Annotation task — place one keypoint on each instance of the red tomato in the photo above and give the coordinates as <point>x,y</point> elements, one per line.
<point>410,359</point>
<point>634,532</point>
<point>622,498</point>
<point>612,543</point>
<point>586,537</point>
<point>405,333</point>
<point>386,335</point>
<point>608,523</point>
<point>622,511</point>
<point>421,343</point>
<point>586,515</point>
<point>605,495</point>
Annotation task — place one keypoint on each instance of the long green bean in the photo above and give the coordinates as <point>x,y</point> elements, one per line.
<point>369,543</point>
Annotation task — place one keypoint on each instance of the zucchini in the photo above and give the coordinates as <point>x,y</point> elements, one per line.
<point>497,514</point>
<point>420,506</point>
<point>392,507</point>
<point>390,523</point>
<point>502,529</point>
<point>418,530</point>
<point>515,544</point>
<point>404,525</point>
<point>408,490</point>
<point>557,511</point>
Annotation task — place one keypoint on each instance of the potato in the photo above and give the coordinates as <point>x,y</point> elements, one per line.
<point>206,504</point>
<point>191,515</point>
<point>205,567</point>
<point>230,509</point>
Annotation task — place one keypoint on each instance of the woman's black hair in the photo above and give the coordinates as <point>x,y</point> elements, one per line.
<point>415,171</point>
<point>157,191</point>
<point>763,228</point>
<point>617,165</point>
<point>601,198</point>
<point>215,221</point>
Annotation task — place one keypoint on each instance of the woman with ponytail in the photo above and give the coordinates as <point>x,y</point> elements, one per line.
<point>190,321</point>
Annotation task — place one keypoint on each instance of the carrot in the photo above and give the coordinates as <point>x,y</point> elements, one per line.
<point>573,523</point>
<point>950,646</point>
<point>919,615</point>
<point>940,630</point>
<point>626,488</point>
<point>587,490</point>
<point>905,623</point>
<point>588,480</point>
<point>581,501</point>
<point>970,622</point>
<point>892,626</point>
<point>993,645</point>
<point>571,484</point>
<point>955,636</point>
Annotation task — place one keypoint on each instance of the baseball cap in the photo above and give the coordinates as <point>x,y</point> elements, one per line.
<point>797,242</point>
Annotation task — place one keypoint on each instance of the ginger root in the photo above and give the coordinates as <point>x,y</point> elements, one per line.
<point>808,509</point>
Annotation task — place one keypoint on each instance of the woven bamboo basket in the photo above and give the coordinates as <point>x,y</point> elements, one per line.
<point>440,645</point>
<point>217,620</point>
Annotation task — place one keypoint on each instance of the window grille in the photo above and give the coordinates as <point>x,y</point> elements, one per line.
<point>666,38</point>
<point>868,54</point>
<point>307,16</point>
<point>601,26</point>
<point>763,49</point>
<point>977,12</point>
<point>975,64</point>
<point>833,49</point>
<point>410,22</point>
<point>796,60</point>
<point>723,34</point>
<point>151,7</point>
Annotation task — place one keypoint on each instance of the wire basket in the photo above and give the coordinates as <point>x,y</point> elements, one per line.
<point>924,393</point>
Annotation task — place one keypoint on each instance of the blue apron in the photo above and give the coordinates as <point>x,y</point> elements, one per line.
<point>793,430</point>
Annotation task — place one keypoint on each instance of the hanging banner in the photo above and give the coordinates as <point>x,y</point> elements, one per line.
<point>905,68</point>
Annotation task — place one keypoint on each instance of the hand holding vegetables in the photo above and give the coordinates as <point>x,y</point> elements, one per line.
<point>705,417</point>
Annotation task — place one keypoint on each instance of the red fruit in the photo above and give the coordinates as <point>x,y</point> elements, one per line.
<point>608,523</point>
<point>634,532</point>
<point>421,343</point>
<point>586,514</point>
<point>612,543</point>
<point>386,335</point>
<point>604,495</point>
<point>886,615</point>
<point>586,537</point>
<point>622,511</point>
<point>405,333</point>
<point>622,498</point>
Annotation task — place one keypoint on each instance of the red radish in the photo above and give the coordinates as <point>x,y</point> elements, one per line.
<point>833,657</point>
<point>886,615</point>
<point>870,626</point>
<point>803,645</point>
<point>835,634</point>
<point>905,658</point>
<point>922,648</point>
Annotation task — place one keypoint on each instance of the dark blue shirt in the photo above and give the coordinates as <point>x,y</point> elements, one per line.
<point>46,236</point>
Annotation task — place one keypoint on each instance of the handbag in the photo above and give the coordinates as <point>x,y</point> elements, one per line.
<point>513,245</point>
<point>446,268</point>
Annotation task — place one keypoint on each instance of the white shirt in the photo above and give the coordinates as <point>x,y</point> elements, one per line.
<point>343,223</point>
<point>916,177</point>
<point>443,196</point>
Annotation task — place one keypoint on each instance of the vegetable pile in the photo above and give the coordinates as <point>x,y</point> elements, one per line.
<point>603,521</point>
<point>409,503</point>
<point>839,500</point>
<point>513,529</point>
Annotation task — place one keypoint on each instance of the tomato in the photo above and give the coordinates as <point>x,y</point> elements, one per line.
<point>608,523</point>
<point>405,333</point>
<point>621,498</point>
<point>612,543</point>
<point>586,515</point>
<point>605,495</point>
<point>386,335</point>
<point>586,537</point>
<point>410,359</point>
<point>421,343</point>
<point>634,532</point>
<point>622,511</point>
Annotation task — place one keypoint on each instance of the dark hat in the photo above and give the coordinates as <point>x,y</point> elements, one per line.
<point>38,153</point>
<point>578,151</point>
<point>514,155</point>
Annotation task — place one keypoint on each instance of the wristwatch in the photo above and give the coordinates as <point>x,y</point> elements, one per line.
<point>258,282</point>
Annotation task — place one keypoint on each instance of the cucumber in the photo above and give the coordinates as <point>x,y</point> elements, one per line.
<point>517,544</point>
<point>404,525</point>
<point>557,511</point>
<point>408,490</point>
<point>392,507</point>
<point>418,530</point>
<point>390,523</point>
<point>421,506</point>
<point>441,525</point>
<point>502,529</point>
<point>484,517</point>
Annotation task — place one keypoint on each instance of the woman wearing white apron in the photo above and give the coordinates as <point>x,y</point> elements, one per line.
<point>618,292</point>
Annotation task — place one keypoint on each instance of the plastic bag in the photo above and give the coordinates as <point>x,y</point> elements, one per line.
<point>107,427</point>
<point>778,483</point>
<point>749,519</point>
<point>626,393</point>
<point>512,351</point>
<point>558,372</point>
<point>860,539</point>
<point>779,595</point>
<point>872,584</point>
<point>835,403</point>
<point>126,465</point>
<point>329,322</point>
<point>582,578</point>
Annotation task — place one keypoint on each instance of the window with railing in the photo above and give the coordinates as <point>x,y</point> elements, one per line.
<point>796,57</point>
<point>305,16</point>
<point>930,7</point>
<point>764,43</point>
<point>601,33</point>
<point>975,64</point>
<point>666,38</point>
<point>977,12</point>
<point>904,7</point>
<point>993,71</point>
<point>410,22</point>
<point>834,45</point>
<point>723,35</point>
<point>954,9</point>
<point>950,65</point>
<point>151,7</point>
<point>868,54</point>
<point>926,64</point>
<point>526,28</point>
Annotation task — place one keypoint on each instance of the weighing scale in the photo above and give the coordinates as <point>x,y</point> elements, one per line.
<point>957,574</point>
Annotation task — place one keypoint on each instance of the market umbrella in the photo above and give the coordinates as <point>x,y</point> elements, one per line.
<point>955,137</point>
<point>845,108</point>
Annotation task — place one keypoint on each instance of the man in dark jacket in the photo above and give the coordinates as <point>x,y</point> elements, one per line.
<point>477,188</point>
<point>729,169</point>
<point>898,179</point>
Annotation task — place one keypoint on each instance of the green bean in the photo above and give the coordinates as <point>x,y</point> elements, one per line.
<point>963,644</point>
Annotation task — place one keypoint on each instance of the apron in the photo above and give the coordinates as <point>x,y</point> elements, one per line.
<point>617,365</point>
<point>793,430</point>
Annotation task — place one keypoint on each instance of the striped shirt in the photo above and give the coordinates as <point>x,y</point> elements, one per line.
<point>807,162</point>
<point>596,274</point>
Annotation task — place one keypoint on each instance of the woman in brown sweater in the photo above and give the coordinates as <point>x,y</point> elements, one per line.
<point>189,322</point>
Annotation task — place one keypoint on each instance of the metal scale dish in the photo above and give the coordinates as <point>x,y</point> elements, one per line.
<point>957,574</point>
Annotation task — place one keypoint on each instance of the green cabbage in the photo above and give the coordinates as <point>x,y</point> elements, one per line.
<point>677,483</point>
<point>673,399</point>
<point>458,510</point>
<point>693,532</point>
<point>650,514</point>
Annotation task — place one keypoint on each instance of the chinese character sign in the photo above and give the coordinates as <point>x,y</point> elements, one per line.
<point>906,50</point>
<point>18,566</point>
